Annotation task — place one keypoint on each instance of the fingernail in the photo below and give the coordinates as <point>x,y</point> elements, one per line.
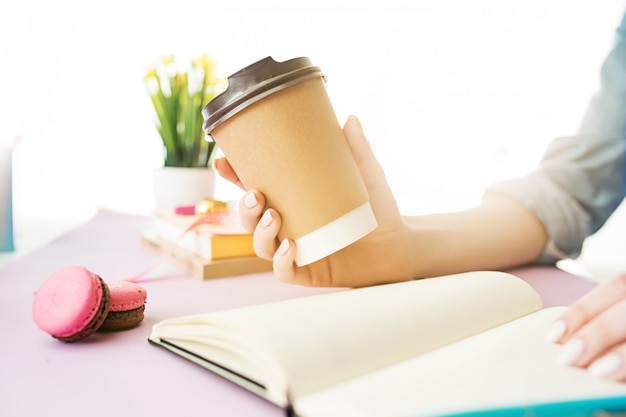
<point>250,200</point>
<point>266,219</point>
<point>556,331</point>
<point>571,351</point>
<point>284,247</point>
<point>356,119</point>
<point>606,365</point>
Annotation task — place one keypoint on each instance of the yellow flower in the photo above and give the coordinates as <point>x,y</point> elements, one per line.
<point>181,78</point>
<point>204,62</point>
<point>168,60</point>
<point>151,72</point>
<point>151,78</point>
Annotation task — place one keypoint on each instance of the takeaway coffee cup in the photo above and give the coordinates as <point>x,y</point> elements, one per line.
<point>277,127</point>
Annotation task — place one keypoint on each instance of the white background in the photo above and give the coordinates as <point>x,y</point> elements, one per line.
<point>453,94</point>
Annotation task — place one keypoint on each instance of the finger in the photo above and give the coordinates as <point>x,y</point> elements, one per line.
<point>589,306</point>
<point>372,172</point>
<point>600,334</point>
<point>285,267</point>
<point>265,234</point>
<point>251,207</point>
<point>370,168</point>
<point>612,365</point>
<point>226,171</point>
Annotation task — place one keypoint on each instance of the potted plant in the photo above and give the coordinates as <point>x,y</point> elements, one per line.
<point>178,95</point>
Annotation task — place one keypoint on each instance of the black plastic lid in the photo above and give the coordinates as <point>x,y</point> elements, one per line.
<point>254,82</point>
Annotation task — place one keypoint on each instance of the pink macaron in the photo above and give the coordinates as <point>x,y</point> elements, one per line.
<point>71,304</point>
<point>127,305</point>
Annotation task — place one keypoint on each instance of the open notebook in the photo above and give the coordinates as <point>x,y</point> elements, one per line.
<point>426,347</point>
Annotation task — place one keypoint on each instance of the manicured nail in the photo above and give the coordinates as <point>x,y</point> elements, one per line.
<point>250,200</point>
<point>284,247</point>
<point>356,119</point>
<point>571,351</point>
<point>556,331</point>
<point>606,365</point>
<point>266,219</point>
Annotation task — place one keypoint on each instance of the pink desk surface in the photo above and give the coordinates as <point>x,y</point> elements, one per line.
<point>121,374</point>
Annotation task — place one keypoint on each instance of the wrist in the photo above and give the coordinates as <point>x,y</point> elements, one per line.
<point>418,252</point>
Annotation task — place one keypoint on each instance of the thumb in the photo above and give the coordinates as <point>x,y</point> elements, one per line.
<point>226,171</point>
<point>381,197</point>
<point>369,167</point>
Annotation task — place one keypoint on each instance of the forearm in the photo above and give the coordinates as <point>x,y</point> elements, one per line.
<point>499,233</point>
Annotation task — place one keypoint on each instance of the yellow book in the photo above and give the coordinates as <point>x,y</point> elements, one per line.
<point>210,241</point>
<point>201,267</point>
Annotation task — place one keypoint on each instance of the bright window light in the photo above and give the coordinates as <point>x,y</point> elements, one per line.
<point>453,94</point>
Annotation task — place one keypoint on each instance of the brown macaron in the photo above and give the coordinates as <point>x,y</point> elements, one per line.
<point>126,307</point>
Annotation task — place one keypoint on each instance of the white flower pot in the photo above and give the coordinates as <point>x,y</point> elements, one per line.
<point>175,187</point>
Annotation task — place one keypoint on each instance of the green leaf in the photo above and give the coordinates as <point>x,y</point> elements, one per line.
<point>178,102</point>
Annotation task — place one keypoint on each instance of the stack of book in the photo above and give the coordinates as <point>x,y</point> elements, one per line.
<point>218,247</point>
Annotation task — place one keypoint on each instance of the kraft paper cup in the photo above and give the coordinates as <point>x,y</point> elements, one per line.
<point>277,127</point>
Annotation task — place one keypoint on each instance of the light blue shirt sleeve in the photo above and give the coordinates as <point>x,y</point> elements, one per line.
<point>581,178</point>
